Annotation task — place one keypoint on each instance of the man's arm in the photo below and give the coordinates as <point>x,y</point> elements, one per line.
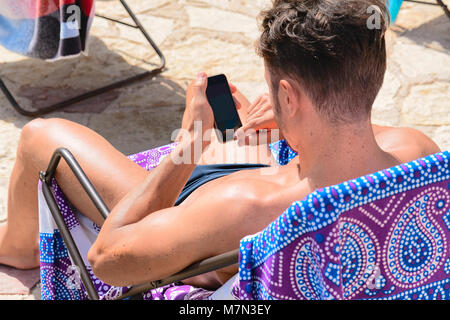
<point>164,184</point>
<point>159,190</point>
<point>167,241</point>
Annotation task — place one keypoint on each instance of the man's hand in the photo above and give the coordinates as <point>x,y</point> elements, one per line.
<point>259,116</point>
<point>198,112</point>
<point>234,90</point>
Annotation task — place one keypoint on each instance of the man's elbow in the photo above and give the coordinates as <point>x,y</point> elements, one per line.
<point>106,266</point>
<point>96,258</point>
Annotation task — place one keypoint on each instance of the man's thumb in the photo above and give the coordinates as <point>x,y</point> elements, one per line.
<point>201,83</point>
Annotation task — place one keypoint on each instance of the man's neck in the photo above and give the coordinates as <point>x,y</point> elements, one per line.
<point>333,155</point>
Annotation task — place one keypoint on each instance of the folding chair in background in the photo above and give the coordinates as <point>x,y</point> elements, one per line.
<point>118,84</point>
<point>381,236</point>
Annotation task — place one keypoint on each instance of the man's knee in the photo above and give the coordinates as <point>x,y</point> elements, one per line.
<point>32,128</point>
<point>38,127</point>
<point>36,132</point>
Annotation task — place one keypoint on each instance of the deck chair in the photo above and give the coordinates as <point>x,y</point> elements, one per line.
<point>118,84</point>
<point>380,236</point>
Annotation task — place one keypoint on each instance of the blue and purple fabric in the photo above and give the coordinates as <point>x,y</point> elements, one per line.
<point>45,29</point>
<point>381,236</point>
<point>59,277</point>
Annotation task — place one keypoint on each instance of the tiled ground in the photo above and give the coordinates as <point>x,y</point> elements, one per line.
<point>216,36</point>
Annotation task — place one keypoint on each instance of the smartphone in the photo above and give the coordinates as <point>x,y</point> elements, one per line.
<point>222,103</point>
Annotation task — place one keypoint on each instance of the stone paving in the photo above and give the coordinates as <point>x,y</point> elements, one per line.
<point>216,36</point>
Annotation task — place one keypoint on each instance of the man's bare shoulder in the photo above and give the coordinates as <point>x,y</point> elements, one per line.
<point>250,197</point>
<point>404,143</point>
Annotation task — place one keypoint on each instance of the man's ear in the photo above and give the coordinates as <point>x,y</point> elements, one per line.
<point>289,96</point>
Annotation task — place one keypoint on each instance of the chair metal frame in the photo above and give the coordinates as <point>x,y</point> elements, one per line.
<point>96,92</point>
<point>439,3</point>
<point>204,266</point>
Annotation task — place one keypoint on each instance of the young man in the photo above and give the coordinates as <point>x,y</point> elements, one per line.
<point>324,68</point>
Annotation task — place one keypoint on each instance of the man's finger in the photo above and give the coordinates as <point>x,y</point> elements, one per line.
<point>258,123</point>
<point>240,133</point>
<point>199,87</point>
<point>256,113</point>
<point>233,88</point>
<point>256,103</point>
<point>251,126</point>
<point>253,105</point>
<point>253,136</point>
<point>237,103</point>
<point>201,80</point>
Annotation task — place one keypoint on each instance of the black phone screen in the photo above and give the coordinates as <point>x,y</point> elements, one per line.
<point>222,103</point>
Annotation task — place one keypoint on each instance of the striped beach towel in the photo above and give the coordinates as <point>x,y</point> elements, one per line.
<point>45,29</point>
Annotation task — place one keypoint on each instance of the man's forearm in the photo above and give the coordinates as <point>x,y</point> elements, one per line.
<point>159,190</point>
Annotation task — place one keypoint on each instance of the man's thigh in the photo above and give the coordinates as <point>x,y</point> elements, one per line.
<point>110,171</point>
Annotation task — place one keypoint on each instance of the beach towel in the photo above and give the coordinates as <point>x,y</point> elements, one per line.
<point>381,236</point>
<point>45,29</point>
<point>60,279</point>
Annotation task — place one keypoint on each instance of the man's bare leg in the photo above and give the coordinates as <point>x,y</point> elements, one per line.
<point>109,170</point>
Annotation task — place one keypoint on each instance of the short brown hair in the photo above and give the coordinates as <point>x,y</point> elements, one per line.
<point>329,48</point>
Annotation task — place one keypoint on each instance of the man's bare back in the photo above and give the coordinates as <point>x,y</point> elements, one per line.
<point>276,192</point>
